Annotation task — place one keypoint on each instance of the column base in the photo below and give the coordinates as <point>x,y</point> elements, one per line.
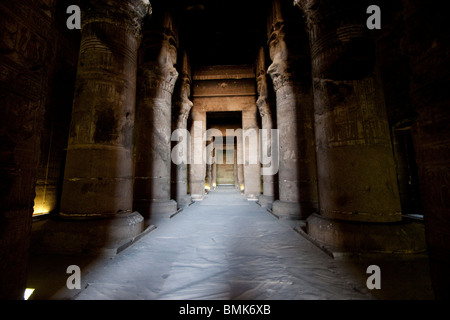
<point>155,212</point>
<point>265,201</point>
<point>404,237</point>
<point>287,210</point>
<point>252,196</point>
<point>197,197</point>
<point>162,210</point>
<point>102,236</point>
<point>184,201</point>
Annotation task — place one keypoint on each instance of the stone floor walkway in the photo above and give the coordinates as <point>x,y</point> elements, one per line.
<point>226,247</point>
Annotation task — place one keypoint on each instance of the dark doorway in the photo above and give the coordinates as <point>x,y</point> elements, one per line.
<point>407,173</point>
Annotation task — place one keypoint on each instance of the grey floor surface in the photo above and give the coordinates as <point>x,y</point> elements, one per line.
<point>226,247</point>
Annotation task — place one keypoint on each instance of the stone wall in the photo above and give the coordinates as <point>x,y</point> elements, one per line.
<point>427,39</point>
<point>34,58</point>
<point>62,74</point>
<point>414,74</point>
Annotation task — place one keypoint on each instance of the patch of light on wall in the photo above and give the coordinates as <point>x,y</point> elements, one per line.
<point>28,292</point>
<point>242,187</point>
<point>41,209</point>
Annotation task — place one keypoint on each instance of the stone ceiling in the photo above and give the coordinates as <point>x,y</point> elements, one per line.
<point>222,32</point>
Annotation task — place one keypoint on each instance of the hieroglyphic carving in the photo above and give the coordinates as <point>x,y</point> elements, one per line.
<point>157,78</point>
<point>261,83</point>
<point>355,112</point>
<point>128,14</point>
<point>161,73</point>
<point>25,48</point>
<point>279,53</point>
<point>103,110</point>
<point>22,43</point>
<point>183,104</point>
<point>311,11</point>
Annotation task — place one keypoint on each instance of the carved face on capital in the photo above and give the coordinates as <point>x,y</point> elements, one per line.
<point>262,84</point>
<point>278,53</point>
<point>263,106</point>
<point>277,46</point>
<point>168,59</point>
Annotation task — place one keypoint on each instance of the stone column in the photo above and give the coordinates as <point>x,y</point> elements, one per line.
<point>98,178</point>
<point>252,168</point>
<point>297,162</point>
<point>267,197</point>
<point>184,106</point>
<point>429,65</point>
<point>198,161</point>
<point>240,161</point>
<point>209,161</point>
<point>157,77</point>
<point>288,206</point>
<point>214,175</point>
<point>236,168</point>
<point>356,169</point>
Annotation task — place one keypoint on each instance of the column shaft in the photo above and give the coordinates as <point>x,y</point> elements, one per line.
<point>184,106</point>
<point>252,168</point>
<point>157,77</point>
<point>236,168</point>
<point>99,154</point>
<point>209,155</point>
<point>240,160</point>
<point>356,169</point>
<point>355,159</point>
<point>288,127</point>
<point>429,66</point>
<point>266,125</point>
<point>214,176</point>
<point>98,178</point>
<point>198,161</point>
<point>288,205</point>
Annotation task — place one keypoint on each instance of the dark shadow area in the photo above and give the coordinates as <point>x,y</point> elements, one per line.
<point>48,272</point>
<point>223,32</point>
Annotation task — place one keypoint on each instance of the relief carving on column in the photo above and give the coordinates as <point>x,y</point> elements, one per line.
<point>263,93</point>
<point>341,45</point>
<point>161,74</point>
<point>165,69</point>
<point>125,13</point>
<point>183,103</point>
<point>263,106</point>
<point>279,53</point>
<point>311,11</point>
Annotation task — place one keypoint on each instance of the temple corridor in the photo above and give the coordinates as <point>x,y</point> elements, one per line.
<point>224,149</point>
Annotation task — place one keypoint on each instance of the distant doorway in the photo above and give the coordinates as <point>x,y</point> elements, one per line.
<point>225,167</point>
<point>225,174</point>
